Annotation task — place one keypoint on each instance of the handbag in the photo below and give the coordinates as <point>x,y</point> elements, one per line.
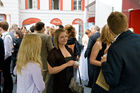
<point>75,87</point>
<point>101,81</point>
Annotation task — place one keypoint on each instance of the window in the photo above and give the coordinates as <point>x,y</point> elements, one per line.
<point>77,4</point>
<point>55,4</point>
<point>32,4</point>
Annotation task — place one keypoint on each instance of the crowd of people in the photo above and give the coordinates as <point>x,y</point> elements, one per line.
<point>44,60</point>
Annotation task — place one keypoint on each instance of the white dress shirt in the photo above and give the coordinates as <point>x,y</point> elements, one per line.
<point>8,44</point>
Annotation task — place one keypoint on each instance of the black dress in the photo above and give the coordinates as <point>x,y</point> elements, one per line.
<point>95,87</point>
<point>62,79</point>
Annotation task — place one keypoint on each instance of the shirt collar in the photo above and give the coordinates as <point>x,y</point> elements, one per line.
<point>116,38</point>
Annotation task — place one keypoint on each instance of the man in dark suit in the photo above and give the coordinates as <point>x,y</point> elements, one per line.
<point>46,47</point>
<point>122,68</point>
<point>92,39</point>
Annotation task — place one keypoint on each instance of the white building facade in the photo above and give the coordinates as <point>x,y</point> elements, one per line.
<point>9,11</point>
<point>26,12</point>
<point>97,11</point>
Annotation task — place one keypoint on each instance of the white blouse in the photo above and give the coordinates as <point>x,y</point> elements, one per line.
<point>30,80</point>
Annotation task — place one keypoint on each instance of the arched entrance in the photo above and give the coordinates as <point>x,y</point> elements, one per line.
<point>30,21</point>
<point>56,21</point>
<point>78,24</point>
<point>77,21</point>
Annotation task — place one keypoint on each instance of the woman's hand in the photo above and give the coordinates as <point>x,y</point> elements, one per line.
<point>70,63</point>
<point>103,59</point>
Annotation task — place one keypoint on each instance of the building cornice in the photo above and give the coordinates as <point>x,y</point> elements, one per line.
<point>51,12</point>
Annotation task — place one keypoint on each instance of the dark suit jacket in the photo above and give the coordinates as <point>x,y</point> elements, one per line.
<point>91,42</point>
<point>122,69</point>
<point>1,53</point>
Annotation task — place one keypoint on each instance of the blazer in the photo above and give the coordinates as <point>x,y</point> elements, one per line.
<point>91,42</point>
<point>122,69</point>
<point>46,47</point>
<point>1,53</point>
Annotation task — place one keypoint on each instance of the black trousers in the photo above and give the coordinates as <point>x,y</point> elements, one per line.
<point>8,82</point>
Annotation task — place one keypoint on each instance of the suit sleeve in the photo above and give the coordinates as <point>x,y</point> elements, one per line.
<point>49,44</point>
<point>113,67</point>
<point>89,47</point>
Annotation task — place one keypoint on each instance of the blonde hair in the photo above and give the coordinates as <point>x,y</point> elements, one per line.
<point>29,51</point>
<point>56,36</point>
<point>51,31</point>
<point>106,37</point>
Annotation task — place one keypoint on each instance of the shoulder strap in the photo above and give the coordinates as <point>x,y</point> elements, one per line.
<point>80,77</point>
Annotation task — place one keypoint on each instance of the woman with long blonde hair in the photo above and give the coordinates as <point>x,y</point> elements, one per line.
<point>99,49</point>
<point>28,67</point>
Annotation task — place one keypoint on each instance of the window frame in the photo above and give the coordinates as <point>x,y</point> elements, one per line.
<point>60,5</point>
<point>77,5</point>
<point>53,4</point>
<point>27,4</point>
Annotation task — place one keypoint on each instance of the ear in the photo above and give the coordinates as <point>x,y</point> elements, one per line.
<point>43,29</point>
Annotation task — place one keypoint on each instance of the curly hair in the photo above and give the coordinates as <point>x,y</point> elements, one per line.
<point>70,30</point>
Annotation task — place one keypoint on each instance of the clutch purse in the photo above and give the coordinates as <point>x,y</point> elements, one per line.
<point>101,81</point>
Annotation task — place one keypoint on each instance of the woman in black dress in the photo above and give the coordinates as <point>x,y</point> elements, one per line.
<point>60,63</point>
<point>99,49</point>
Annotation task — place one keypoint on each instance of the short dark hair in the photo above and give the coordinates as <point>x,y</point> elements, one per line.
<point>19,33</point>
<point>39,26</point>
<point>117,22</point>
<point>32,28</point>
<point>4,25</point>
<point>61,26</point>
